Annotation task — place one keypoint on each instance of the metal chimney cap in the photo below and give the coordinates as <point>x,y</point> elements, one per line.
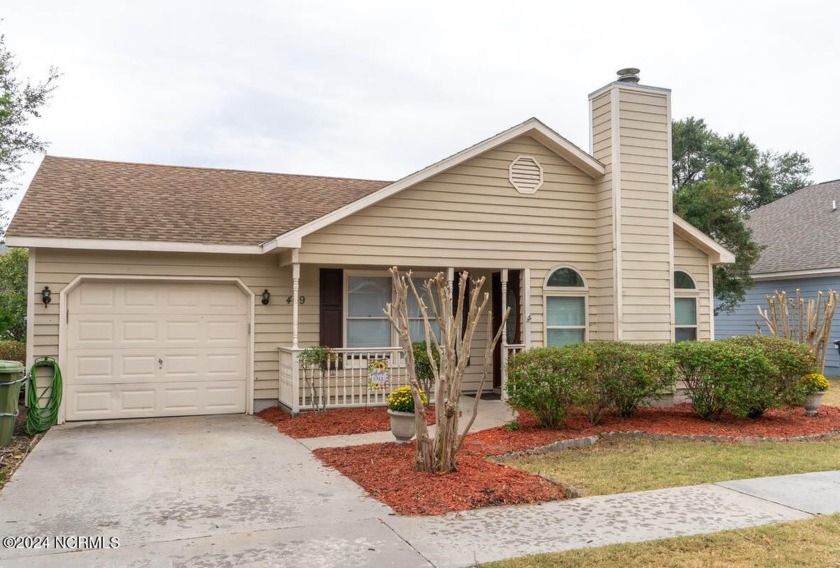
<point>628,75</point>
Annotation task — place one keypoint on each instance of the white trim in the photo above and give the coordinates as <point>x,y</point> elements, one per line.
<point>717,253</point>
<point>30,317</point>
<point>690,293</point>
<point>146,246</point>
<point>618,284</point>
<point>526,303</point>
<point>671,261</point>
<point>566,293</point>
<point>687,273</point>
<point>345,301</point>
<point>81,278</point>
<point>533,127</point>
<point>694,295</point>
<point>711,301</point>
<point>787,275</point>
<point>584,288</point>
<point>295,301</point>
<point>518,188</point>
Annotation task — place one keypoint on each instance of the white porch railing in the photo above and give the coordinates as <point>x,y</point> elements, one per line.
<point>508,351</point>
<point>356,377</point>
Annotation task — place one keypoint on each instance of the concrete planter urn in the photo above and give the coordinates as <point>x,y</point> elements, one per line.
<point>402,425</point>
<point>812,402</point>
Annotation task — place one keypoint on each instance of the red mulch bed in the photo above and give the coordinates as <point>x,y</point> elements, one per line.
<point>333,422</point>
<point>676,420</point>
<point>386,471</point>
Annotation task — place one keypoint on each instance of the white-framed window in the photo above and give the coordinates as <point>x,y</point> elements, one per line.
<point>566,300</point>
<point>366,295</point>
<point>685,307</point>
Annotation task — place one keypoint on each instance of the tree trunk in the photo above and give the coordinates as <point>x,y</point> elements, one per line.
<point>453,346</point>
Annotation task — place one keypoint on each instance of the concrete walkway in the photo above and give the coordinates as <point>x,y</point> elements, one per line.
<point>491,414</point>
<point>231,491</point>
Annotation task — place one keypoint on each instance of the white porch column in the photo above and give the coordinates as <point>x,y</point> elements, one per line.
<point>504,353</point>
<point>525,285</point>
<point>295,295</point>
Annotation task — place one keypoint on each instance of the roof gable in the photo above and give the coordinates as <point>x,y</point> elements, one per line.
<point>531,127</point>
<point>717,253</point>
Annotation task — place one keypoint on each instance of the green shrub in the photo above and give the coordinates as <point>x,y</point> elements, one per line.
<point>548,381</point>
<point>13,351</point>
<point>793,360</point>
<point>627,374</point>
<point>723,375</point>
<point>425,375</point>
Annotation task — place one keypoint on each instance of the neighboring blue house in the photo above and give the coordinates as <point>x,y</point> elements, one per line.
<point>801,233</point>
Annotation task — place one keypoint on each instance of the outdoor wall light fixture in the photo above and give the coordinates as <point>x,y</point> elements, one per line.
<point>45,296</point>
<point>266,297</point>
<point>301,300</point>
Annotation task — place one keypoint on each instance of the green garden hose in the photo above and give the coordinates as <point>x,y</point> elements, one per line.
<point>40,418</point>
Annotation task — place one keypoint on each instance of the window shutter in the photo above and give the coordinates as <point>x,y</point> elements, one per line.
<point>332,307</point>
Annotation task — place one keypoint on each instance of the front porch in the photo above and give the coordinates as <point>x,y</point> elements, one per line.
<point>352,367</point>
<point>354,377</point>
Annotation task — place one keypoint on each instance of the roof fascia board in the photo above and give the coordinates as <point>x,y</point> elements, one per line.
<point>586,163</point>
<point>787,275</point>
<point>719,254</point>
<point>141,246</point>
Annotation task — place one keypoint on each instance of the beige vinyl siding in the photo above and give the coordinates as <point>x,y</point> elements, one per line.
<point>687,258</point>
<point>472,217</point>
<point>602,287</point>
<point>645,215</point>
<point>57,268</point>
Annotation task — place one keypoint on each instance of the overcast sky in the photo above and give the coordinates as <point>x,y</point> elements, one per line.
<point>381,89</point>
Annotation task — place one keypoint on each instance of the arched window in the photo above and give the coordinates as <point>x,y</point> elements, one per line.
<point>566,299</point>
<point>685,307</point>
<point>683,280</point>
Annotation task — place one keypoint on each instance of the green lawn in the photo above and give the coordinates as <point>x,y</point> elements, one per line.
<point>832,395</point>
<point>814,542</point>
<point>626,465</point>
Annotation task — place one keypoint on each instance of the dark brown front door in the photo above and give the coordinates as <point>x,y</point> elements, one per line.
<point>514,326</point>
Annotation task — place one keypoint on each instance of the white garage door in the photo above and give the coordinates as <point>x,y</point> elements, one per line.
<point>141,349</point>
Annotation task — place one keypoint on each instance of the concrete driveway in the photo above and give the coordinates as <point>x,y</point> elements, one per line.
<point>215,491</point>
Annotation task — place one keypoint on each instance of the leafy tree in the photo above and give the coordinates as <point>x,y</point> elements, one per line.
<point>765,176</point>
<point>13,274</point>
<point>717,181</point>
<point>776,175</point>
<point>19,102</point>
<point>712,205</point>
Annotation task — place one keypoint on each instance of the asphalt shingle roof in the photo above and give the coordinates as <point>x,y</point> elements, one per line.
<point>93,199</point>
<point>800,230</point>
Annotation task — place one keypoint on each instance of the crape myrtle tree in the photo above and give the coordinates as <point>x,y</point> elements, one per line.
<point>20,101</point>
<point>457,325</point>
<point>717,181</point>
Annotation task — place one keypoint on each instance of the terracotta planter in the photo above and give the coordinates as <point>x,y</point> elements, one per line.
<point>812,402</point>
<point>402,425</point>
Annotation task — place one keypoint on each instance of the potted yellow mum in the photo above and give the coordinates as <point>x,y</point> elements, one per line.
<point>814,385</point>
<point>401,411</point>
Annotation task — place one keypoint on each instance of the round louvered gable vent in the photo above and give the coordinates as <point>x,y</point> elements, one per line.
<point>526,174</point>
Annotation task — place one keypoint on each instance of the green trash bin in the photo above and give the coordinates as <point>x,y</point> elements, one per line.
<point>11,378</point>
